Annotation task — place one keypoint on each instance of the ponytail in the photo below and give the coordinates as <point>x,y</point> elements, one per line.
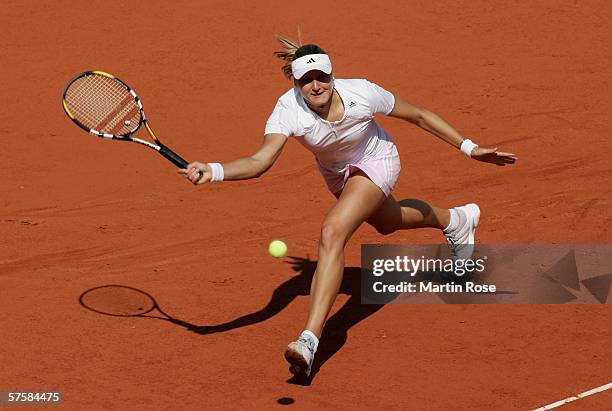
<point>294,50</point>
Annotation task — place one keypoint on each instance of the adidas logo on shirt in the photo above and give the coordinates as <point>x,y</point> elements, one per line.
<point>352,104</point>
<point>311,60</point>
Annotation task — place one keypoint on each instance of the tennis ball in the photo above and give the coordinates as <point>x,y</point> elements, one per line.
<point>127,122</point>
<point>277,249</point>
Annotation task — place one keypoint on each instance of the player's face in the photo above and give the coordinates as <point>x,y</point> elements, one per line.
<point>316,87</point>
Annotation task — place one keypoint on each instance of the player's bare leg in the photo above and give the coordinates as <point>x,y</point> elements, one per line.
<point>359,199</point>
<point>407,214</point>
<point>458,224</point>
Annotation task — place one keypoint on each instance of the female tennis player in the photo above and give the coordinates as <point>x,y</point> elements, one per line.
<point>334,118</point>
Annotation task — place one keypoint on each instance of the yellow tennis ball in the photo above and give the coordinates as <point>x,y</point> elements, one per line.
<point>277,249</point>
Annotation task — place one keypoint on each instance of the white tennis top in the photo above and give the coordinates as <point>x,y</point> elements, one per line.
<point>337,143</point>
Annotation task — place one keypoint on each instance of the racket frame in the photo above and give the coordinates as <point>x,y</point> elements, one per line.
<point>157,146</point>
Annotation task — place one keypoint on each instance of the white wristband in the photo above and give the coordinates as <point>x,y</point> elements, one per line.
<point>467,146</point>
<point>217,172</point>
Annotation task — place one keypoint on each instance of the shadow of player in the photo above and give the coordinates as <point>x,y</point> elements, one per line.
<point>335,332</point>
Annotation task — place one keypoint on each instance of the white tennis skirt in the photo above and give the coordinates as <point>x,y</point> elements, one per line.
<point>383,170</point>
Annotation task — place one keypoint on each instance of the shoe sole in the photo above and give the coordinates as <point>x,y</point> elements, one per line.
<point>299,366</point>
<point>473,212</point>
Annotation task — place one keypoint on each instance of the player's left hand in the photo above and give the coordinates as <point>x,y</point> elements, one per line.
<point>491,155</point>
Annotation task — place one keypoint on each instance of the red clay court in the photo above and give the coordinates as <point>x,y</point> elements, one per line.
<point>532,78</point>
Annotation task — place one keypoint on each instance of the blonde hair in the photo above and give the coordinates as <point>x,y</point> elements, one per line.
<point>288,54</point>
<point>294,50</point>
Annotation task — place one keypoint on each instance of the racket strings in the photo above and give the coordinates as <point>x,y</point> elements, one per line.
<point>103,104</point>
<point>93,97</point>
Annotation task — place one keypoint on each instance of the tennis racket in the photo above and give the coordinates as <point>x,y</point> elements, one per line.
<point>106,107</point>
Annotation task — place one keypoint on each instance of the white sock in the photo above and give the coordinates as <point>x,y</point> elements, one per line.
<point>309,335</point>
<point>457,219</point>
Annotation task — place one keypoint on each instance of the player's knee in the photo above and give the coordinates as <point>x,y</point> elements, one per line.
<point>332,235</point>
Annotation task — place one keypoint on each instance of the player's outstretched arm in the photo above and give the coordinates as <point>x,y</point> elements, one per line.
<point>437,126</point>
<point>240,169</point>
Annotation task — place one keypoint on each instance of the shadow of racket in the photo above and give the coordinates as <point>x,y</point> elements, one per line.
<point>123,301</point>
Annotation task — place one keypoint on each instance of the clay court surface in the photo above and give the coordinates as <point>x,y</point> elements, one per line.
<point>532,78</point>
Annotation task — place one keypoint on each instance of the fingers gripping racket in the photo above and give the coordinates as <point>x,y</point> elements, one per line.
<point>105,106</point>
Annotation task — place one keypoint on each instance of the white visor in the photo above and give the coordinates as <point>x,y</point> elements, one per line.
<point>310,62</point>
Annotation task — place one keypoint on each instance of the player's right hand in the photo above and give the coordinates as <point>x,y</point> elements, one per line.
<point>197,173</point>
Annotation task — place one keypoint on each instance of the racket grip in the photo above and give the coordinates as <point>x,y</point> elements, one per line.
<point>173,157</point>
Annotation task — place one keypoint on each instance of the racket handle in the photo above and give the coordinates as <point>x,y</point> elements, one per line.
<point>173,157</point>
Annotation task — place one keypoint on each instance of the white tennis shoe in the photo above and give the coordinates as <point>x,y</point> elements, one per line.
<point>300,355</point>
<point>461,240</point>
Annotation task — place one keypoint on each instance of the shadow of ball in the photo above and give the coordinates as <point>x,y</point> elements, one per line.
<point>285,401</point>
